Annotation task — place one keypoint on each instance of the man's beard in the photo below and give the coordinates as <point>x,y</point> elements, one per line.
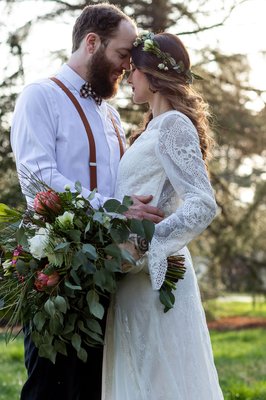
<point>99,72</point>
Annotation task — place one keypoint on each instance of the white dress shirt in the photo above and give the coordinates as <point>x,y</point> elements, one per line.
<point>48,137</point>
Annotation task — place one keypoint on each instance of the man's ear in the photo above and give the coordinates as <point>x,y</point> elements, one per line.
<point>93,42</point>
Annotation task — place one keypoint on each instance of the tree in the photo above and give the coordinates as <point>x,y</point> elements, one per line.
<point>233,242</point>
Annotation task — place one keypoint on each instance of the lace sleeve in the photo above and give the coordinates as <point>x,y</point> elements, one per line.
<point>179,153</point>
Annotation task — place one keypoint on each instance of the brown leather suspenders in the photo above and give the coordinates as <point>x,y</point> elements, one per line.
<point>92,156</point>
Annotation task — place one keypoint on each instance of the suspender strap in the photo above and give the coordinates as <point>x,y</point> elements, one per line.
<point>92,163</point>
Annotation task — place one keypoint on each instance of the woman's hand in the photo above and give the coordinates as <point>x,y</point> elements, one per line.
<point>140,209</point>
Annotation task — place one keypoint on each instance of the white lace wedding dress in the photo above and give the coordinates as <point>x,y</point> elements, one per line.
<point>149,354</point>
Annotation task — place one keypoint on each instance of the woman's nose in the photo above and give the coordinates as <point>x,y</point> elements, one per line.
<point>129,80</point>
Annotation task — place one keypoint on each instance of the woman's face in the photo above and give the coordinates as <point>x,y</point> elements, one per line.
<point>140,86</point>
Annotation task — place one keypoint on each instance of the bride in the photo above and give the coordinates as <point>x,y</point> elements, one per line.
<point>149,354</point>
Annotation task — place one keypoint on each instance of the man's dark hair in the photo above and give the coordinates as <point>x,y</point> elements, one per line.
<point>102,19</point>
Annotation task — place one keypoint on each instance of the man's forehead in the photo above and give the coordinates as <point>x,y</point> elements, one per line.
<point>125,35</point>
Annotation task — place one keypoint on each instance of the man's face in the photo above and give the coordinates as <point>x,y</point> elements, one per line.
<point>107,64</point>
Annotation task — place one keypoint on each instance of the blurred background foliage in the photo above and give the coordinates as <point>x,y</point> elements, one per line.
<point>230,254</point>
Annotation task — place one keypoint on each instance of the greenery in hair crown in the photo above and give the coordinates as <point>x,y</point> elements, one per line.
<point>166,60</point>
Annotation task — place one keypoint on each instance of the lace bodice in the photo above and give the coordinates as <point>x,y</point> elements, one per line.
<point>166,161</point>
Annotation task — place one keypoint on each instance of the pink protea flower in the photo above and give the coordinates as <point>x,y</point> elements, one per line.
<point>43,281</point>
<point>45,202</point>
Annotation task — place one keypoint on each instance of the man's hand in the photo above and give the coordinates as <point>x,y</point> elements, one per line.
<point>140,209</point>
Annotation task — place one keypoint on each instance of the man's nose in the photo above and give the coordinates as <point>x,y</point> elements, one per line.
<point>126,63</point>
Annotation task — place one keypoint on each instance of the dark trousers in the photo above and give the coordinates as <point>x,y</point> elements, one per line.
<point>68,379</point>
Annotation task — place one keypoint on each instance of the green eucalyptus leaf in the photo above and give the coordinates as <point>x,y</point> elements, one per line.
<point>90,333</point>
<point>119,232</point>
<point>94,326</point>
<point>94,305</point>
<point>60,303</point>
<point>49,307</point>
<point>136,226</point>
<point>88,268</point>
<point>78,187</point>
<point>166,299</point>
<point>105,280</point>
<point>112,265</point>
<point>149,228</point>
<point>99,217</point>
<point>33,265</point>
<point>22,238</point>
<point>21,267</point>
<point>112,205</point>
<point>74,234</point>
<point>92,195</point>
<point>70,323</point>
<point>55,325</point>
<point>88,226</point>
<point>71,286</point>
<point>113,250</point>
<point>79,259</point>
<point>82,355</point>
<point>127,256</point>
<point>47,351</point>
<point>76,341</point>
<point>75,277</point>
<point>36,338</point>
<point>62,246</point>
<point>89,249</point>
<point>39,320</point>
<point>127,201</point>
<point>60,347</point>
<point>98,339</point>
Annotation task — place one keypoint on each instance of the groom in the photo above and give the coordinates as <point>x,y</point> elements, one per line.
<point>49,139</point>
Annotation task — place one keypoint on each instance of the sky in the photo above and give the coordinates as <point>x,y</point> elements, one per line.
<point>244,32</point>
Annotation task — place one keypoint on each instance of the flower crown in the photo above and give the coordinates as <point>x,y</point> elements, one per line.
<point>167,61</point>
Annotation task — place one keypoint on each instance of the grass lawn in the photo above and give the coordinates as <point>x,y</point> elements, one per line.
<point>218,308</point>
<point>13,372</point>
<point>240,357</point>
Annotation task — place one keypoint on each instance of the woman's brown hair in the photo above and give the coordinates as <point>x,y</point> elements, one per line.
<point>174,87</point>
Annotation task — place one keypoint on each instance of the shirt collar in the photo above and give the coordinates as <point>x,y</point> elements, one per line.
<point>71,76</point>
<point>76,82</point>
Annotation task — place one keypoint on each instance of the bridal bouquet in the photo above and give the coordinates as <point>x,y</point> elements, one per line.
<point>60,261</point>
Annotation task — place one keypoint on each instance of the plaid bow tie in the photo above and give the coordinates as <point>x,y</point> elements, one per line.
<point>86,91</point>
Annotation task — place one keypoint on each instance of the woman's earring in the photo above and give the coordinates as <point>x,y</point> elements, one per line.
<point>152,90</point>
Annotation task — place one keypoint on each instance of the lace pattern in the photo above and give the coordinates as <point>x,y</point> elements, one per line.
<point>167,163</point>
<point>178,151</point>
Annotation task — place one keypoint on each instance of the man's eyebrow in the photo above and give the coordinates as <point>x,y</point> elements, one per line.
<point>124,48</point>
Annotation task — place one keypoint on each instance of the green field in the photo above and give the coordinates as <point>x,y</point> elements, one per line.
<point>240,357</point>
<point>13,372</point>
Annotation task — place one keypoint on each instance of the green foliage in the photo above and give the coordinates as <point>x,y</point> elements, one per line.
<point>57,274</point>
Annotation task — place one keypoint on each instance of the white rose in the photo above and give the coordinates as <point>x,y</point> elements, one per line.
<point>66,220</point>
<point>80,203</point>
<point>38,243</point>
<point>6,264</point>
